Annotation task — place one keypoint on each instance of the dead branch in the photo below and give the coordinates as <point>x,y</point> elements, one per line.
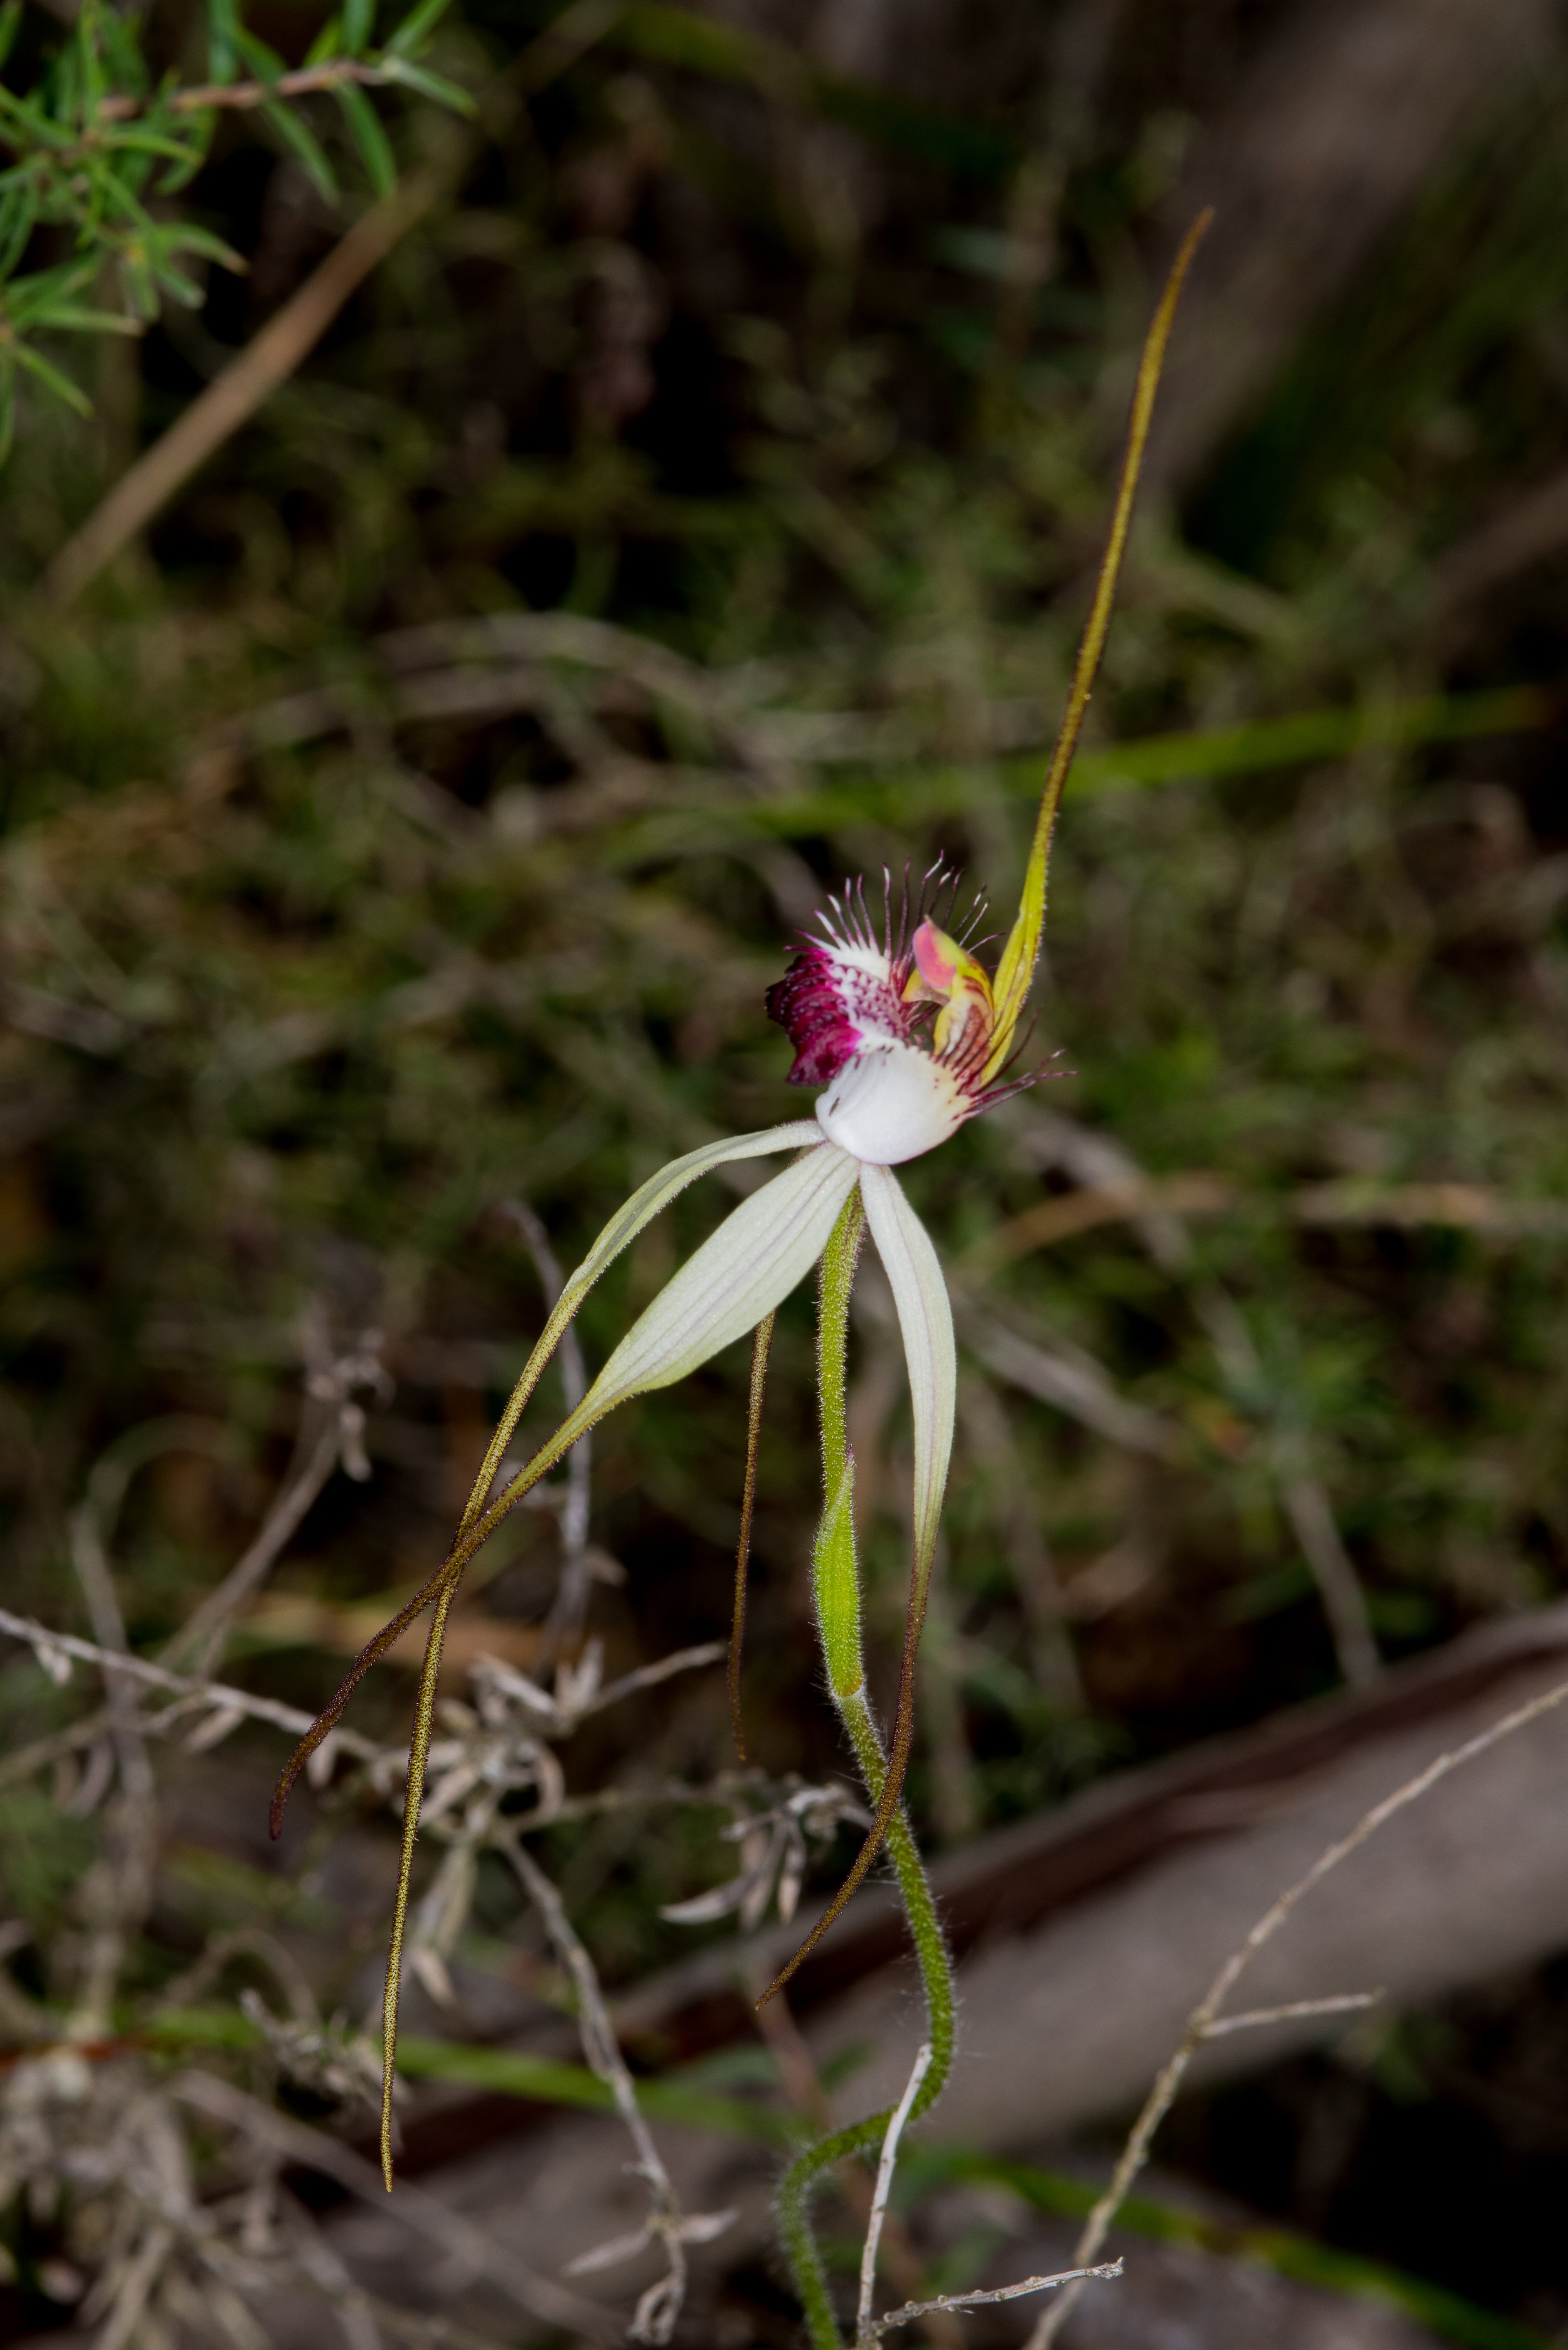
<point>864,2329</point>
<point>913,2309</point>
<point>1204,2015</point>
<point>219,1695</point>
<point>265,363</point>
<point>448,2229</point>
<point>659,2308</point>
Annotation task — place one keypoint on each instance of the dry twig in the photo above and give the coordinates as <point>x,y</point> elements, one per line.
<point>659,2308</point>
<point>221,1696</point>
<point>864,2329</point>
<point>265,363</point>
<point>913,2309</point>
<point>1201,2023</point>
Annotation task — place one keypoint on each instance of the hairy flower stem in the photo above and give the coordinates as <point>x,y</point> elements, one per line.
<point>838,1593</point>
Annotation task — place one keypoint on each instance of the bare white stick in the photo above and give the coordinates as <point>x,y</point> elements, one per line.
<point>863,2332</point>
<point>1254,2016</point>
<point>913,2309</point>
<point>1136,2151</point>
<point>679,1660</point>
<point>660,2305</point>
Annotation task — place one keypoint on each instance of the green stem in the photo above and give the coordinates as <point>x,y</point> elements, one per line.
<point>838,1593</point>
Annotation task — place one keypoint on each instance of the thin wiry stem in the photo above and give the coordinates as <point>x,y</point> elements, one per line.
<point>1201,2023</point>
<point>121,1909</point>
<point>304,81</point>
<point>837,1594</point>
<point>103,1610</point>
<point>1314,1523</point>
<point>1022,952</point>
<point>761,1344</point>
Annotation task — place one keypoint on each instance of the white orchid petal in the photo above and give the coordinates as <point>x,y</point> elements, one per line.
<point>926,1323</point>
<point>652,1197</point>
<point>622,1229</point>
<point>741,1272</point>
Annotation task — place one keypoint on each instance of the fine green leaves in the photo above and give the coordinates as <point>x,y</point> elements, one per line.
<point>417,27</point>
<point>91,143</point>
<point>365,130</point>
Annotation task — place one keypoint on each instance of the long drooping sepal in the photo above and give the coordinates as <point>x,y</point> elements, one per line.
<point>741,1274</point>
<point>472,1529</point>
<point>622,1229</point>
<point>1021,952</point>
<point>926,1326</point>
<point>800,1217</point>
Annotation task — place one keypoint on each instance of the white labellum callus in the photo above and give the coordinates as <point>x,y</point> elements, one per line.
<point>901,1033</point>
<point>893,1102</point>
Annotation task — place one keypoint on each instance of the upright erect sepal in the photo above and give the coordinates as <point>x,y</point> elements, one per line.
<point>1021,952</point>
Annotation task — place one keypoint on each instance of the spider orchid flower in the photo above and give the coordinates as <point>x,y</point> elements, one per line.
<point>907,1037</point>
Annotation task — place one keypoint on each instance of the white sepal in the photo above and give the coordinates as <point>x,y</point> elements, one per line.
<point>622,1229</point>
<point>926,1323</point>
<point>739,1275</point>
<point>656,1194</point>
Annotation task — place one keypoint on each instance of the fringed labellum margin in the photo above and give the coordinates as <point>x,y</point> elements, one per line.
<point>859,1013</point>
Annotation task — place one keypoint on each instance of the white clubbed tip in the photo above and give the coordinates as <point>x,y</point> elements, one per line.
<point>890,1103</point>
